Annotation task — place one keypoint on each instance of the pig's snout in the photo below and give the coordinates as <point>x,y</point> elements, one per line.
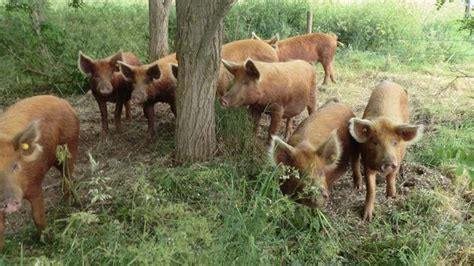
<point>139,96</point>
<point>388,167</point>
<point>105,88</point>
<point>324,193</point>
<point>135,99</point>
<point>224,102</point>
<point>10,206</point>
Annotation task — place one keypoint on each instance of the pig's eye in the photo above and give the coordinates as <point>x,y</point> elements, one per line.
<point>375,142</point>
<point>394,142</point>
<point>245,82</point>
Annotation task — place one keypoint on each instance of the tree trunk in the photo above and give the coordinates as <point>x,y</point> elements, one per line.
<point>309,21</point>
<point>158,11</point>
<point>37,19</point>
<point>199,41</point>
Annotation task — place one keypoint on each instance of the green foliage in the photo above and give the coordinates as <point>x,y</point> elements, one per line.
<point>450,147</point>
<point>102,28</point>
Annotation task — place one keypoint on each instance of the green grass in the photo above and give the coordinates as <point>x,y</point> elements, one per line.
<point>450,148</point>
<point>140,208</point>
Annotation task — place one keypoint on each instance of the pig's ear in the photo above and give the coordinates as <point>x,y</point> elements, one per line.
<point>251,69</point>
<point>153,71</point>
<point>360,129</point>
<point>278,143</point>
<point>27,142</point>
<point>85,64</point>
<point>410,133</point>
<point>174,70</point>
<point>255,36</point>
<point>230,66</point>
<point>331,150</point>
<point>126,70</point>
<point>114,60</point>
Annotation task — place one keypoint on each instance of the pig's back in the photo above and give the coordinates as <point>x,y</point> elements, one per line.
<point>58,120</point>
<point>305,47</point>
<point>389,100</point>
<point>286,78</point>
<point>130,58</point>
<point>239,51</point>
<point>318,126</point>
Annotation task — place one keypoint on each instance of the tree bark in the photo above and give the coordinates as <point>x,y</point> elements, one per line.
<point>199,41</point>
<point>158,11</point>
<point>37,17</point>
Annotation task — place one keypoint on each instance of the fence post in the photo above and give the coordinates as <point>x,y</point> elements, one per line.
<point>309,21</point>
<point>467,13</point>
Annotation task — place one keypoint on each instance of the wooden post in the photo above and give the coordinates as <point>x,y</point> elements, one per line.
<point>467,13</point>
<point>309,21</point>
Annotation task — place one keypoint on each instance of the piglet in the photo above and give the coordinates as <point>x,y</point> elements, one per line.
<point>383,136</point>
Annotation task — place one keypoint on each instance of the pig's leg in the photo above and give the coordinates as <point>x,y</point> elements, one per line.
<point>128,110</point>
<point>370,196</point>
<point>173,108</point>
<point>256,115</point>
<point>144,111</point>
<point>356,175</point>
<point>327,72</point>
<point>312,104</point>
<point>2,230</point>
<point>37,211</point>
<point>150,115</point>
<point>391,181</point>
<point>277,115</point>
<point>331,72</point>
<point>103,115</point>
<point>67,186</point>
<point>289,127</point>
<point>118,115</point>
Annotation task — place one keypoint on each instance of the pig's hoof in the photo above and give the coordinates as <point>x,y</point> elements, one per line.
<point>45,237</point>
<point>368,215</point>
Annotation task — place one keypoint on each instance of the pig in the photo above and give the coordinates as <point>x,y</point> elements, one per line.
<point>283,89</point>
<point>30,132</point>
<point>108,85</point>
<point>152,83</point>
<point>320,150</point>
<point>239,51</point>
<point>313,47</point>
<point>157,81</point>
<point>383,135</point>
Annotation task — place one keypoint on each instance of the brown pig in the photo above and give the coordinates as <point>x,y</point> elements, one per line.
<point>282,89</point>
<point>108,85</point>
<point>156,82</point>
<point>383,135</point>
<point>320,150</point>
<point>152,83</point>
<point>30,132</point>
<point>313,47</point>
<point>239,51</point>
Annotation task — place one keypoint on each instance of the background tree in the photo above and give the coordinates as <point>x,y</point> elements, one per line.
<point>199,41</point>
<point>36,10</point>
<point>159,11</point>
